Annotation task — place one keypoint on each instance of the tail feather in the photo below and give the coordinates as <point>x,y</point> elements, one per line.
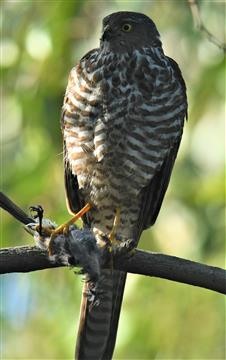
<point>95,320</point>
<point>118,291</point>
<point>98,324</point>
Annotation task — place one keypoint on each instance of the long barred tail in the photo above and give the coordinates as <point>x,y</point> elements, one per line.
<point>98,324</point>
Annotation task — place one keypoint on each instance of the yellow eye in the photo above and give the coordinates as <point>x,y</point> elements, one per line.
<point>126,27</point>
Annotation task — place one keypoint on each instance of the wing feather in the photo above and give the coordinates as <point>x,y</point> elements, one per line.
<point>153,194</point>
<point>75,201</point>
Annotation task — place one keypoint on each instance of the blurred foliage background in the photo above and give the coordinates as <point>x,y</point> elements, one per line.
<point>40,43</point>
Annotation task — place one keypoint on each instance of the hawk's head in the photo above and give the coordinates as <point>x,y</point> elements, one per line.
<point>125,30</point>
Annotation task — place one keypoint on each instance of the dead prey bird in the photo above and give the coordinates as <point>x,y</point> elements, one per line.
<point>76,248</point>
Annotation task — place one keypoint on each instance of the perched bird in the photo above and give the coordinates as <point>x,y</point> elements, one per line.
<point>122,122</point>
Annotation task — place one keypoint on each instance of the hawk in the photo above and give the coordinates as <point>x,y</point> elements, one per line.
<point>122,122</point>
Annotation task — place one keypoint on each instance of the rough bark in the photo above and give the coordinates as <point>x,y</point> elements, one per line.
<point>26,258</point>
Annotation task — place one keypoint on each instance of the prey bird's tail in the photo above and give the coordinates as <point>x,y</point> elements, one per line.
<point>14,210</point>
<point>99,322</point>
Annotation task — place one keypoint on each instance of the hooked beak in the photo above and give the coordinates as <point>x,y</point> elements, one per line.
<point>107,33</point>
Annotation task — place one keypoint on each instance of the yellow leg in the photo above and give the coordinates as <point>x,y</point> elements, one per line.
<point>77,216</point>
<point>65,226</point>
<point>115,227</point>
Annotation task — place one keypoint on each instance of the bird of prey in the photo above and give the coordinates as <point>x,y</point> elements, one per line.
<point>122,122</point>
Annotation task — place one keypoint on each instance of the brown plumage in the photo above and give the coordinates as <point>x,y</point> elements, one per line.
<point>122,123</point>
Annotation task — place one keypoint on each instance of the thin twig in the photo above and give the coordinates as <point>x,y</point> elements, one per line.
<point>25,259</point>
<point>195,10</point>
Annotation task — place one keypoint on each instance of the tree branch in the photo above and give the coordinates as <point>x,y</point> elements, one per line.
<point>201,27</point>
<point>80,247</point>
<point>26,258</point>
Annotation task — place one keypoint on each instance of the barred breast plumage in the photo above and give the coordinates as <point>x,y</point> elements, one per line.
<point>122,123</point>
<point>122,115</point>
